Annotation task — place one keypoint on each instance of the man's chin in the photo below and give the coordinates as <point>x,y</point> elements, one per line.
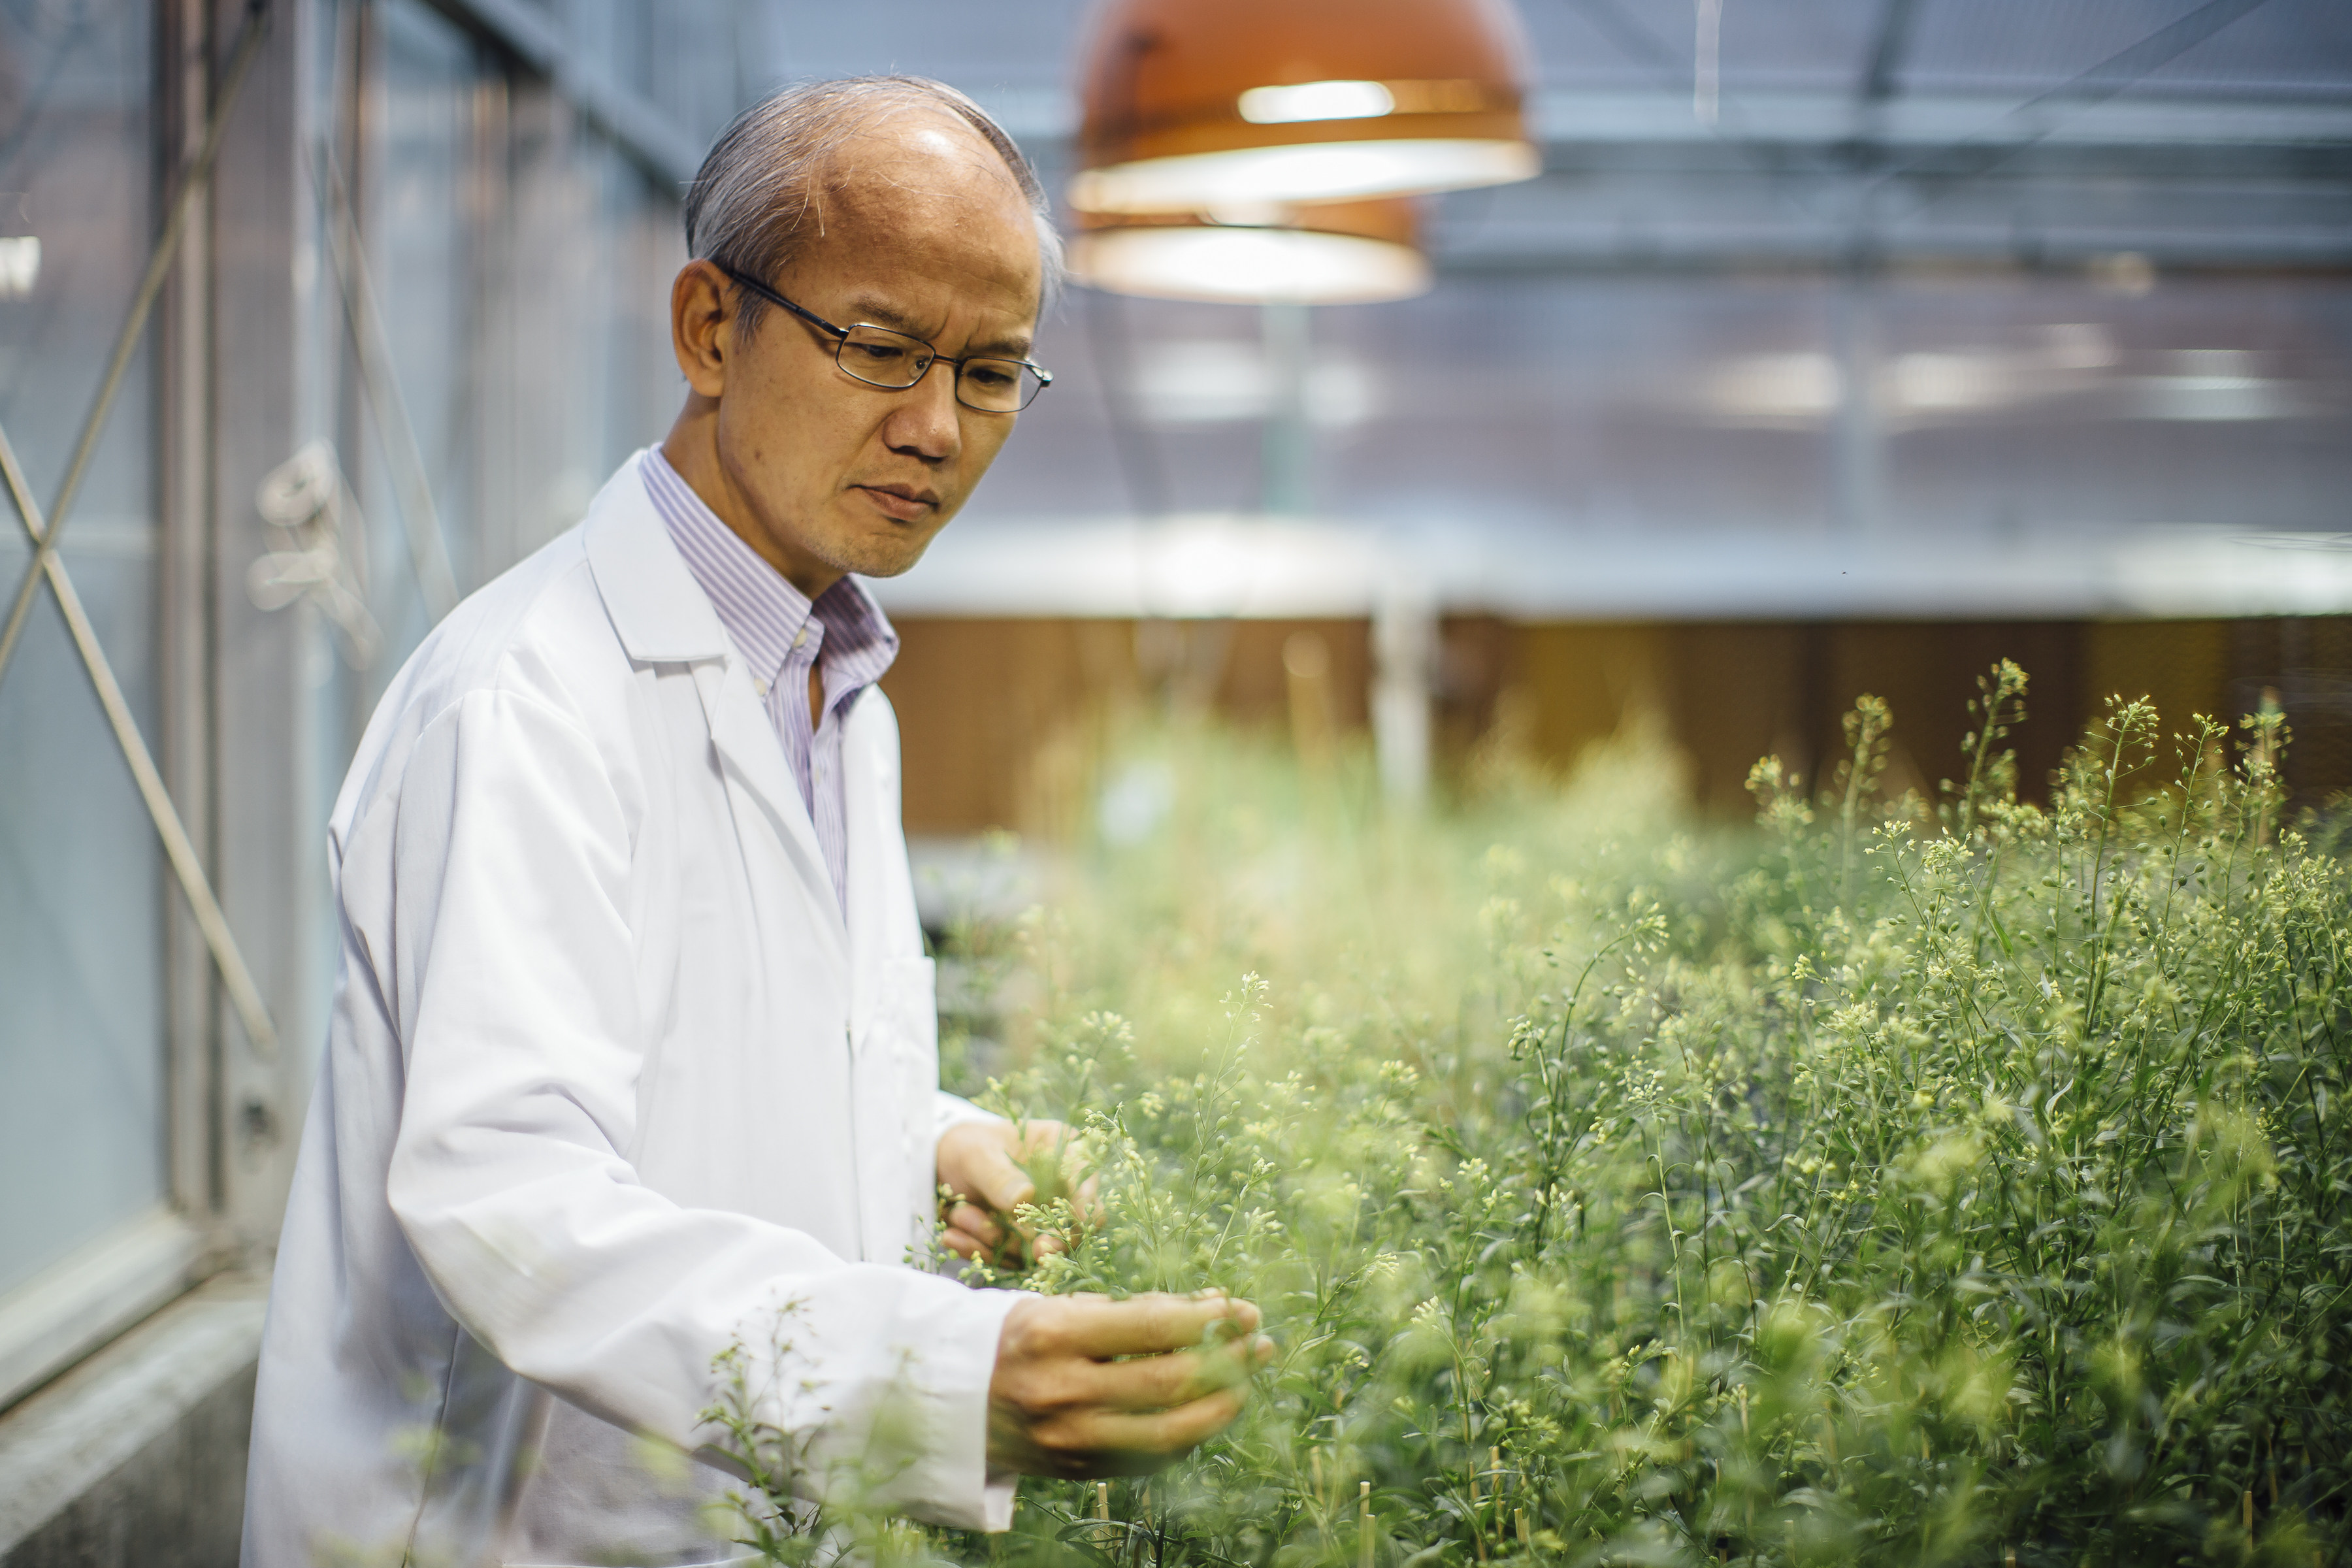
<point>887,557</point>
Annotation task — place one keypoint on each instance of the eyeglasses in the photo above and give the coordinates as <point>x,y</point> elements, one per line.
<point>897,360</point>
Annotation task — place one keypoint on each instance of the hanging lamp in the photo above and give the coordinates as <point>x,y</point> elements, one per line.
<point>1194,105</point>
<point>1343,253</point>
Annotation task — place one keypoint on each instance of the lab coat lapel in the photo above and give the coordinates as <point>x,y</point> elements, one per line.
<point>747,743</point>
<point>662,617</point>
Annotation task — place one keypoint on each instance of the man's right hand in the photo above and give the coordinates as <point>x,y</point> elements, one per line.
<point>1063,1402</point>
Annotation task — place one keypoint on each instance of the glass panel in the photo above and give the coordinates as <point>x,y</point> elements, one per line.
<point>418,193</point>
<point>585,364</point>
<point>521,265</point>
<point>81,878</point>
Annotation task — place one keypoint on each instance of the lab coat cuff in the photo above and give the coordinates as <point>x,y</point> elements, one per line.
<point>954,1110</point>
<point>967,1493</point>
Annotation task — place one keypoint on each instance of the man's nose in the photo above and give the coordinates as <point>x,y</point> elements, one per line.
<point>925,424</point>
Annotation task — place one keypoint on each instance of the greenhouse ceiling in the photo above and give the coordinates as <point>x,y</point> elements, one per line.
<point>1816,131</point>
<point>1899,307</point>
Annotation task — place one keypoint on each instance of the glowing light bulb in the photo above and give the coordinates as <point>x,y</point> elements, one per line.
<point>1315,100</point>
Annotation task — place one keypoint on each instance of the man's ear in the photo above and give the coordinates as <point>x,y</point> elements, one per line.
<point>702,326</point>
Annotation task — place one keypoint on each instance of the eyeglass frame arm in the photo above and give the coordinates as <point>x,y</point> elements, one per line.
<point>1044,377</point>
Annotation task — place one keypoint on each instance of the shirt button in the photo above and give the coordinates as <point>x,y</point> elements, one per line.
<point>800,639</point>
<point>758,686</point>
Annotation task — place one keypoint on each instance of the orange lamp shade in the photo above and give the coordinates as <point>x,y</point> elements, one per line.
<point>1343,253</point>
<point>1192,105</point>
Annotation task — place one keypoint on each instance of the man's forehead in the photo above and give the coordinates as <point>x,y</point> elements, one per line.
<point>921,153</point>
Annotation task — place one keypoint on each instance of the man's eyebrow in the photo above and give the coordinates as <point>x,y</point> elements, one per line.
<point>1003,348</point>
<point>882,313</point>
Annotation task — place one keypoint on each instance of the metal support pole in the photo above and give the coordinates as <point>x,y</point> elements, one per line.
<point>1858,438</point>
<point>1288,453</point>
<point>1404,679</point>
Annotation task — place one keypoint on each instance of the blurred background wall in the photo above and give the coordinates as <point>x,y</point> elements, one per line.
<point>1842,345</point>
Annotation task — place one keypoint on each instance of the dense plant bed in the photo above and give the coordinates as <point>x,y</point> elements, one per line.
<point>1901,1180</point>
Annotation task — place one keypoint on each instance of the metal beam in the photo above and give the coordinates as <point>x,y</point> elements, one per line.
<point>1634,180</point>
<point>1886,50</point>
<point>1567,119</point>
<point>640,128</point>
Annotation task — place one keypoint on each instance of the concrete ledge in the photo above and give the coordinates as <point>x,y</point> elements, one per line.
<point>55,1319</point>
<point>137,1455</point>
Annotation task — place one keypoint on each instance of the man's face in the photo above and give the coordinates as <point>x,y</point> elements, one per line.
<point>931,237</point>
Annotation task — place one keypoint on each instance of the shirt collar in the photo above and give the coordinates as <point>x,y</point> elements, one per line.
<point>764,615</point>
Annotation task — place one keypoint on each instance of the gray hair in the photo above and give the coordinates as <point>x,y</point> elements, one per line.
<point>770,168</point>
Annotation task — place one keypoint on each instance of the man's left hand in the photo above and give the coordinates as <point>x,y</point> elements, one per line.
<point>982,1164</point>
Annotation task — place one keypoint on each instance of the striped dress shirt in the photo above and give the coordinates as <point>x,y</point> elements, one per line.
<point>781,634</point>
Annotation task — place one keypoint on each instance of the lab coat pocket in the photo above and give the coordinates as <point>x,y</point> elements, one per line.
<point>906,1009</point>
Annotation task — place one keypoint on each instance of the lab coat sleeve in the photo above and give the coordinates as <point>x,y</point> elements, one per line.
<point>954,1110</point>
<point>511,971</point>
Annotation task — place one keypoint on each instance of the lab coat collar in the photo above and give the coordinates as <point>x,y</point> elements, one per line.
<point>662,617</point>
<point>660,612</point>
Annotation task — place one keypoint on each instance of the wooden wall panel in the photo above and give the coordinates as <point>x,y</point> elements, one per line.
<point>1004,719</point>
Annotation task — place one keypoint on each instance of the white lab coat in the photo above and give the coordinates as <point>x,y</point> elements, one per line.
<point>610,1082</point>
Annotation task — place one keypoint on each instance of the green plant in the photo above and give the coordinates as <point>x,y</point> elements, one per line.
<point>1895,1181</point>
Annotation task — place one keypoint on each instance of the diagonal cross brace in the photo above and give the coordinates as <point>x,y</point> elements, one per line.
<point>178,849</point>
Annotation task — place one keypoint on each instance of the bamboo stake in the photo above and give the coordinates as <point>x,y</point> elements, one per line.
<point>1477,1523</point>
<point>1364,1524</point>
<point>1495,1486</point>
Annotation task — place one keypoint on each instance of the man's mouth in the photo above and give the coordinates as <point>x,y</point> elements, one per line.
<point>903,502</point>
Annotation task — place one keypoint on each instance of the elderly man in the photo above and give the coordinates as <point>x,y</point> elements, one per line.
<point>633,1055</point>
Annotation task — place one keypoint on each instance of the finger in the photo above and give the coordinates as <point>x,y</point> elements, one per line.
<point>1148,1442</point>
<point>975,1222</point>
<point>1041,1137</point>
<point>1002,1185</point>
<point>1177,1378</point>
<point>1146,1325</point>
<point>962,1244</point>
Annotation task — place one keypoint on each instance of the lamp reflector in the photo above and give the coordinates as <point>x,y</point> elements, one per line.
<point>1302,172</point>
<point>1241,266</point>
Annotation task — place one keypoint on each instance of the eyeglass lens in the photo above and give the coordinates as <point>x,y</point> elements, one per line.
<point>880,357</point>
